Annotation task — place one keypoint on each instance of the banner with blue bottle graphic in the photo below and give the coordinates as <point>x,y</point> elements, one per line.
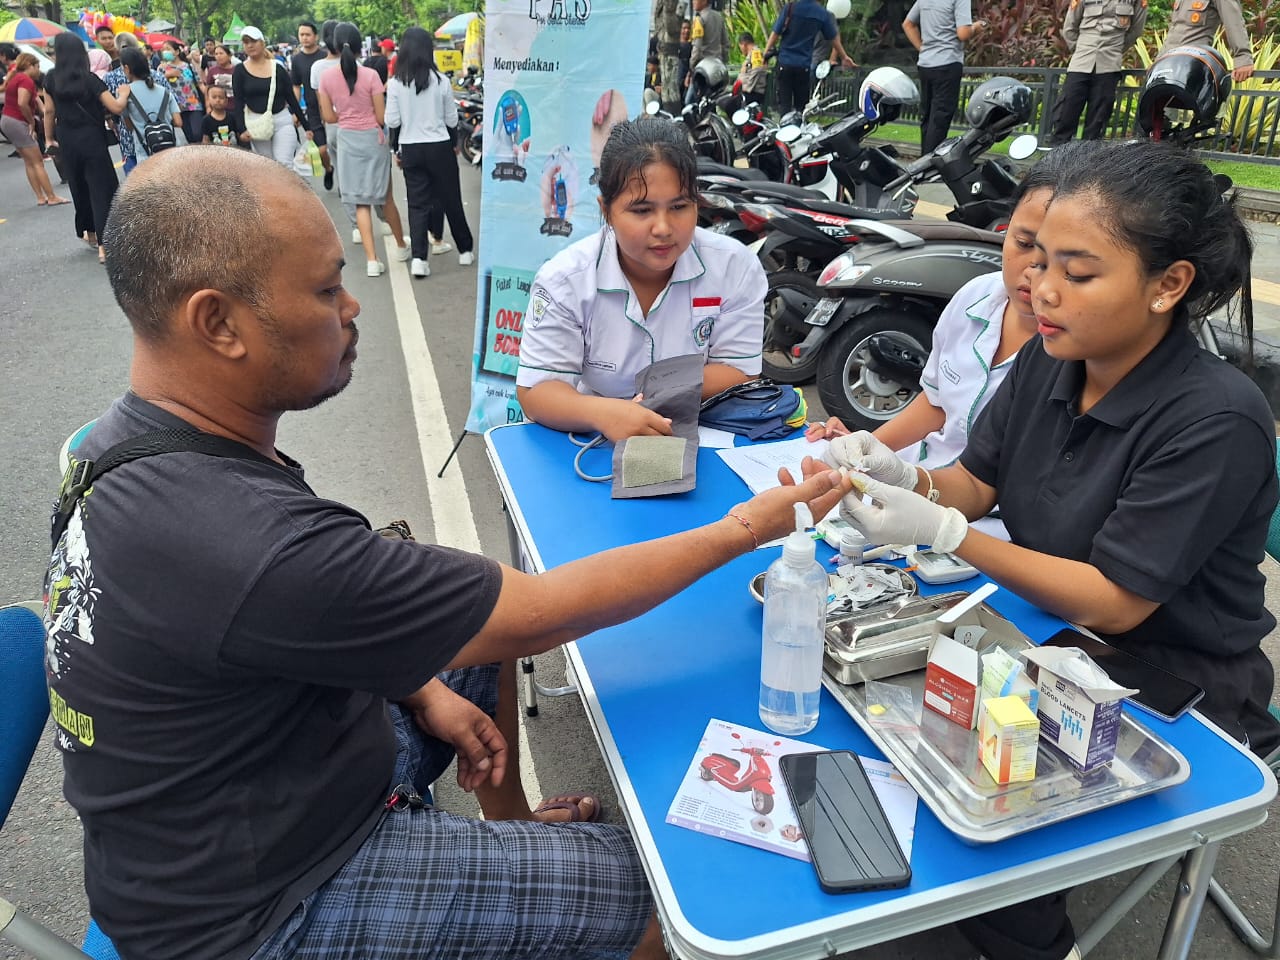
<point>558,74</point>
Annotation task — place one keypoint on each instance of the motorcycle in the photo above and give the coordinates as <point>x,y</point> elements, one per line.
<point>868,334</point>
<point>469,98</point>
<point>752,777</point>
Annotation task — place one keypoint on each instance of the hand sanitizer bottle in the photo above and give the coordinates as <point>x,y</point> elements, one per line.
<point>795,611</point>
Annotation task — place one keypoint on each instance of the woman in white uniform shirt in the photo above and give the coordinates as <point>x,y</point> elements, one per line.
<point>648,286</point>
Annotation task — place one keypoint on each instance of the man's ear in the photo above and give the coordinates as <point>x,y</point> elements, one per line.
<point>215,321</point>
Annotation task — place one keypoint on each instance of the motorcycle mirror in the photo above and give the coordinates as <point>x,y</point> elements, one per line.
<point>740,117</point>
<point>652,108</point>
<point>789,133</point>
<point>1023,147</point>
<point>822,69</point>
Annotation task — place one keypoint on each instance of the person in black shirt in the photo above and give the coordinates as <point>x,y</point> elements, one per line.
<point>379,61</point>
<point>300,72</point>
<point>106,39</point>
<point>1135,472</point>
<point>75,104</point>
<point>220,126</point>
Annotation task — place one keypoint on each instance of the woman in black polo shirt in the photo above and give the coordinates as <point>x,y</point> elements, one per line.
<point>1135,471</point>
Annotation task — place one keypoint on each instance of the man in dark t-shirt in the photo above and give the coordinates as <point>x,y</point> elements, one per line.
<point>251,689</point>
<point>300,71</point>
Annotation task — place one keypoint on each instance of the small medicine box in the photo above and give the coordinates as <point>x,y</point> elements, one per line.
<point>1008,737</point>
<point>951,681</point>
<point>1082,721</point>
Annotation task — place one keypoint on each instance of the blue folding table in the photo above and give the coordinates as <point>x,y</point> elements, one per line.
<point>651,685</point>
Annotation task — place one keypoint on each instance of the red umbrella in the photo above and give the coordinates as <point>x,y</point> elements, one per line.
<point>157,40</point>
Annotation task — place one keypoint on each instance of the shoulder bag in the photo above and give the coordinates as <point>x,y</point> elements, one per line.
<point>262,126</point>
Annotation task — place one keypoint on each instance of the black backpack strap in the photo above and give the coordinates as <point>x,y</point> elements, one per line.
<point>82,474</point>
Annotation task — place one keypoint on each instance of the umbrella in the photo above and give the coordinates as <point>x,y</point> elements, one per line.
<point>455,27</point>
<point>157,40</point>
<point>30,30</point>
<point>159,25</point>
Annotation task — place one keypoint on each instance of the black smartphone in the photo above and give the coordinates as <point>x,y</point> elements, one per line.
<point>1160,692</point>
<point>850,840</point>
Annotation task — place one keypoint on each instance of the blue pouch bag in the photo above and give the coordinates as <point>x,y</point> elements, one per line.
<point>758,410</point>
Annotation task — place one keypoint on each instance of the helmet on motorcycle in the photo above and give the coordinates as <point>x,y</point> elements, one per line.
<point>712,72</point>
<point>883,93</point>
<point>839,8</point>
<point>1000,103</point>
<point>1185,78</point>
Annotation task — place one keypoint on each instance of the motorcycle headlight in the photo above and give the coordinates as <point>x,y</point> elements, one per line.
<point>841,271</point>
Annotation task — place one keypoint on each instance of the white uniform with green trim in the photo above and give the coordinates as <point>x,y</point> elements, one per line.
<point>959,376</point>
<point>584,325</point>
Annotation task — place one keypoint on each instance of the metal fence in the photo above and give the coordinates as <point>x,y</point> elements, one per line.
<point>1249,129</point>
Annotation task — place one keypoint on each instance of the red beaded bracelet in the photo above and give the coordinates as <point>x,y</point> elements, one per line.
<point>746,523</point>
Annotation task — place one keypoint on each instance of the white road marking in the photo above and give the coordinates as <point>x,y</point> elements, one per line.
<point>447,496</point>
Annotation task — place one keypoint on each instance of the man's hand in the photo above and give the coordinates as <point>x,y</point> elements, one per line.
<point>771,512</point>
<point>482,750</point>
<point>902,516</point>
<point>862,452</point>
<point>627,418</point>
<point>1240,74</point>
<point>847,61</point>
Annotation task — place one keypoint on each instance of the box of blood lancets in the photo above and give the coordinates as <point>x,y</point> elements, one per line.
<point>1081,719</point>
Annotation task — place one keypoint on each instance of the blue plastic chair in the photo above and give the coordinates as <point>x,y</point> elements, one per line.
<point>23,711</point>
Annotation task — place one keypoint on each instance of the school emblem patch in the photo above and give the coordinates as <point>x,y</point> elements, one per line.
<point>702,332</point>
<point>538,306</point>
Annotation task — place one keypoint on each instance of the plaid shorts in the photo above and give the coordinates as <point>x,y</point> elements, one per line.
<point>430,884</point>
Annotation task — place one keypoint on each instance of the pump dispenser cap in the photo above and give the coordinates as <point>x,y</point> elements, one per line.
<point>799,548</point>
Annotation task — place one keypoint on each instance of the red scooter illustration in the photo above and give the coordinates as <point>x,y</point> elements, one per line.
<point>754,775</point>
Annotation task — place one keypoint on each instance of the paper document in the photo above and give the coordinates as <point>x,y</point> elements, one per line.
<point>704,804</point>
<point>759,463</point>
<point>711,438</point>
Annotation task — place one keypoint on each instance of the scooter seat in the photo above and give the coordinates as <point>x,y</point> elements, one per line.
<point>942,230</point>
<point>706,166</point>
<point>845,210</point>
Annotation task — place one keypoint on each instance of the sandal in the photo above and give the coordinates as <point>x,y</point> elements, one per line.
<point>572,802</point>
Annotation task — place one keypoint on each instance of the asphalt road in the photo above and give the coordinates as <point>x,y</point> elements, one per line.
<point>64,355</point>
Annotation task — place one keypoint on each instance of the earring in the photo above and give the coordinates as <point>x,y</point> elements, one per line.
<point>1159,304</point>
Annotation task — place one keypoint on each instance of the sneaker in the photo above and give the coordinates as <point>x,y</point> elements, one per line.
<point>419,268</point>
<point>399,254</point>
<point>376,268</point>
<point>328,179</point>
<point>440,246</point>
<point>466,259</point>
<point>386,229</point>
<point>355,235</point>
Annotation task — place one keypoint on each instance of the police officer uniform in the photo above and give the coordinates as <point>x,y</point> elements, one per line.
<point>1098,32</point>
<point>1196,22</point>
<point>709,35</point>
<point>584,325</point>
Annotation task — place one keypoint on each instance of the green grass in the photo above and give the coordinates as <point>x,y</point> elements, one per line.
<point>1258,176</point>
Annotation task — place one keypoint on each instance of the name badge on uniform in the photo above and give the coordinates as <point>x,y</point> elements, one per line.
<point>706,311</point>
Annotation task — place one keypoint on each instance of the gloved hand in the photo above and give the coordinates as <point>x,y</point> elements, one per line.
<point>902,516</point>
<point>862,452</point>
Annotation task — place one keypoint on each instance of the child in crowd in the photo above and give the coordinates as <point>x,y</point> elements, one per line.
<point>220,126</point>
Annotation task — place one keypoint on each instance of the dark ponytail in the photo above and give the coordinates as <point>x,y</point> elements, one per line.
<point>346,37</point>
<point>1165,205</point>
<point>136,61</point>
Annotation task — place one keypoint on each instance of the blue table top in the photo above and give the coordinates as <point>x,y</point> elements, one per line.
<point>657,680</point>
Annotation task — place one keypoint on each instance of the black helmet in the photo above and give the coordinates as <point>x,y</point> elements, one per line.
<point>1195,79</point>
<point>1000,103</point>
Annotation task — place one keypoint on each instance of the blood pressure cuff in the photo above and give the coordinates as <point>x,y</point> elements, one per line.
<point>654,466</point>
<point>758,410</point>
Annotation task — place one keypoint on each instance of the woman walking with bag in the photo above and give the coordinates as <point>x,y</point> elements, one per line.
<point>264,91</point>
<point>151,106</point>
<point>75,106</point>
<point>423,119</point>
<point>18,124</point>
<point>352,98</point>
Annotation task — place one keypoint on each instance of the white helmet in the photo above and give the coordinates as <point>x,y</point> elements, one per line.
<point>839,8</point>
<point>884,91</point>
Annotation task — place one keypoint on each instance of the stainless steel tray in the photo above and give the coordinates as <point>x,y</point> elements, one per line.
<point>943,766</point>
<point>909,584</point>
<point>886,640</point>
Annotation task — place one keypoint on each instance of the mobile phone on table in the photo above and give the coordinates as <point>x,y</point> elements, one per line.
<point>1160,692</point>
<point>849,837</point>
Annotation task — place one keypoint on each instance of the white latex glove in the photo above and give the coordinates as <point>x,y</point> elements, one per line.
<point>902,516</point>
<point>862,452</point>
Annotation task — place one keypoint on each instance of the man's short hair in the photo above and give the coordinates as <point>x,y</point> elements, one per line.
<point>746,38</point>
<point>158,254</point>
<point>308,23</point>
<point>101,27</point>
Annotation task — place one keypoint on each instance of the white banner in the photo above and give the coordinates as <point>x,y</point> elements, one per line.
<point>558,75</point>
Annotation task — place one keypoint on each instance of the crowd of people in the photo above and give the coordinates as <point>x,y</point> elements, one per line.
<point>278,101</point>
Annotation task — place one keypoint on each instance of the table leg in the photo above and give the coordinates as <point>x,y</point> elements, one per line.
<point>1188,901</point>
